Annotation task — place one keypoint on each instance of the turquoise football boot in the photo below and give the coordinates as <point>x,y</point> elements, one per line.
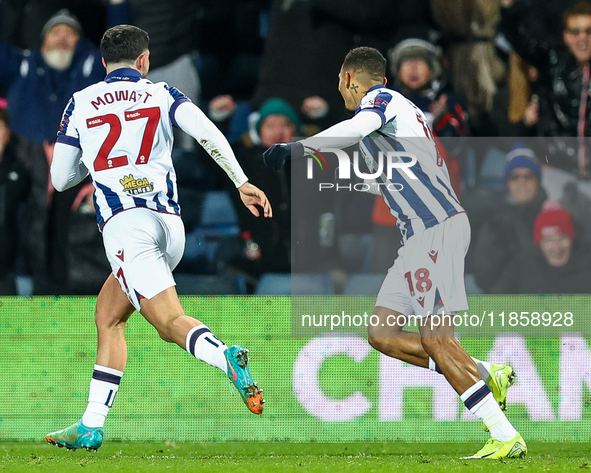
<point>77,436</point>
<point>239,374</point>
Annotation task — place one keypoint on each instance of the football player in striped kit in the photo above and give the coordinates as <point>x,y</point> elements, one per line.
<point>120,132</point>
<point>427,278</point>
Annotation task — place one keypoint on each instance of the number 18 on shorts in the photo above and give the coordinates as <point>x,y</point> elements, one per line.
<point>428,275</point>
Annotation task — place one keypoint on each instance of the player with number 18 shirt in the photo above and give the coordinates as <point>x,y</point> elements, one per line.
<point>428,274</point>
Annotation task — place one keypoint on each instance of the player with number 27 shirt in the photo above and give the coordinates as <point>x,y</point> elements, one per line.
<point>120,131</point>
<point>427,278</point>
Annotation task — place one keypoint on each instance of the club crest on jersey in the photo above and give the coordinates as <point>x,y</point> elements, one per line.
<point>134,186</point>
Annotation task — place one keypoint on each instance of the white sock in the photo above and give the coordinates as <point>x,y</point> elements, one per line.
<point>205,346</point>
<point>433,366</point>
<point>103,388</point>
<point>481,402</point>
<point>483,367</point>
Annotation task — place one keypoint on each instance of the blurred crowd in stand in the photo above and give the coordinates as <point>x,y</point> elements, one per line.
<point>505,87</point>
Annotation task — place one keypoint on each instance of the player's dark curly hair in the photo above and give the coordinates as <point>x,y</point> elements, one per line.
<point>368,60</point>
<point>123,43</point>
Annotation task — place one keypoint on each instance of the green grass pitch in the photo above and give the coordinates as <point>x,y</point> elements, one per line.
<point>126,457</point>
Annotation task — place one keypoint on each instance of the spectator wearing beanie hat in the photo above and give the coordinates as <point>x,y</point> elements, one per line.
<point>278,122</point>
<point>522,174</point>
<point>62,17</point>
<point>416,68</point>
<point>554,233</point>
<point>415,49</point>
<point>39,82</point>
<point>507,234</point>
<point>562,262</point>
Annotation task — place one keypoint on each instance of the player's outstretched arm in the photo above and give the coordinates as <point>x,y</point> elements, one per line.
<point>277,154</point>
<point>194,122</point>
<point>67,169</point>
<point>341,135</point>
<point>346,133</point>
<point>252,196</point>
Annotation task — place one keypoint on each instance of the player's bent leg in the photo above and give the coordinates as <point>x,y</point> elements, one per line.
<point>113,309</point>
<point>499,378</point>
<point>165,312</point>
<point>453,361</point>
<point>388,337</point>
<point>462,373</point>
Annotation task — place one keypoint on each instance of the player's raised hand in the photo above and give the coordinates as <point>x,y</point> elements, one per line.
<point>276,155</point>
<point>252,196</point>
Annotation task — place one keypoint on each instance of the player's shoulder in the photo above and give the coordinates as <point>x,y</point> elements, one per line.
<point>90,90</point>
<point>175,93</point>
<point>382,100</point>
<point>379,96</point>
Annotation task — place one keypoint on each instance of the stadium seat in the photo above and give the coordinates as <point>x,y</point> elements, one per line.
<point>212,211</point>
<point>274,284</point>
<point>191,202</point>
<point>295,284</point>
<point>208,254</point>
<point>218,212</point>
<point>213,237</point>
<point>471,286</point>
<point>492,170</point>
<point>190,171</point>
<point>24,285</point>
<point>355,250</point>
<point>192,284</point>
<point>364,284</point>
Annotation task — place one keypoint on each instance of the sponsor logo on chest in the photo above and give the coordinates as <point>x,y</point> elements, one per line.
<point>134,186</point>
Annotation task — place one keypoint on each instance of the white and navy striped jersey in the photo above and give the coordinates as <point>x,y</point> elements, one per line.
<point>120,132</point>
<point>416,203</point>
<point>123,126</point>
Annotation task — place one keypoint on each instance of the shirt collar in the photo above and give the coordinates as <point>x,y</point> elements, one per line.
<point>379,86</point>
<point>123,74</point>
